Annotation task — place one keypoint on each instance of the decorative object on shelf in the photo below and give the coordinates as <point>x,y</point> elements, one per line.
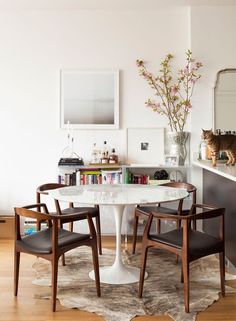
<point>171,160</point>
<point>217,143</point>
<point>174,96</point>
<point>176,176</point>
<point>113,158</point>
<point>96,155</point>
<point>178,146</point>
<point>203,150</point>
<point>68,151</point>
<point>145,145</point>
<point>105,159</point>
<point>78,161</point>
<point>161,174</point>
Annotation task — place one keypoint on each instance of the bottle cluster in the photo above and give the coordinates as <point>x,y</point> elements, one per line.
<point>103,156</point>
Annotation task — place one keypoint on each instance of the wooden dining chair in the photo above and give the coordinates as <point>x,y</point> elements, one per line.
<point>52,242</point>
<point>146,210</point>
<point>187,243</point>
<point>93,211</point>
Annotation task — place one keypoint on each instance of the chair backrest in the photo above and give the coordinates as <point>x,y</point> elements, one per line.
<point>42,189</point>
<point>28,211</point>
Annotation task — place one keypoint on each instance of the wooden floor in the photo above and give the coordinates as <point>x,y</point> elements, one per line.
<point>26,308</point>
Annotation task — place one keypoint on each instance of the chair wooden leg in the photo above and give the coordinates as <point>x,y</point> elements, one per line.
<point>96,267</point>
<point>195,225</point>
<point>63,260</point>
<point>54,283</point>
<point>142,270</point>
<point>135,230</point>
<point>71,226</point>
<point>222,272</point>
<point>158,226</point>
<point>182,275</point>
<point>16,272</point>
<point>178,225</point>
<point>185,265</point>
<point>98,228</point>
<point>38,225</point>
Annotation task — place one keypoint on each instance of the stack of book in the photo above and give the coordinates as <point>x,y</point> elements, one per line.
<point>91,176</point>
<point>136,178</point>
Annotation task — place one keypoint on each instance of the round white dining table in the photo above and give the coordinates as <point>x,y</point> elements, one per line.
<point>118,196</point>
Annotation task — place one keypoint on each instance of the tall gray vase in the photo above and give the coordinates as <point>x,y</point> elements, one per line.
<point>178,145</point>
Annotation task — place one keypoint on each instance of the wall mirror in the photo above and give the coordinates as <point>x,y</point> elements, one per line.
<point>89,99</point>
<point>225,100</point>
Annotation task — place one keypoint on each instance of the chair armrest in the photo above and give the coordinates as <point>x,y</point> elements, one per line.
<point>38,205</point>
<point>203,206</point>
<point>27,211</point>
<point>72,216</point>
<point>168,216</point>
<point>211,212</point>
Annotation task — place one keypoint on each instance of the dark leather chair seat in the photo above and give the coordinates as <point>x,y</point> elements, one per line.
<point>200,244</point>
<point>41,242</point>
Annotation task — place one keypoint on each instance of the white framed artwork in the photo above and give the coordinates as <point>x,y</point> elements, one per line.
<point>89,99</point>
<point>145,146</point>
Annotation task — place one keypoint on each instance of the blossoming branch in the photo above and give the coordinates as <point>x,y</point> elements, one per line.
<point>174,97</point>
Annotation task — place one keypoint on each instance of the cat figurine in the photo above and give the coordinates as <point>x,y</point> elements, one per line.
<point>217,143</point>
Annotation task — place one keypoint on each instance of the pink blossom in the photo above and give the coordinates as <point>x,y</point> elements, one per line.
<point>174,89</point>
<point>174,96</point>
<point>186,70</point>
<point>153,105</point>
<point>188,104</point>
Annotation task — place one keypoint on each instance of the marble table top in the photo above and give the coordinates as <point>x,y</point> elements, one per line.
<point>118,194</point>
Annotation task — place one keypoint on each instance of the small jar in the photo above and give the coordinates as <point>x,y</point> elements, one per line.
<point>113,158</point>
<point>203,150</point>
<point>105,159</point>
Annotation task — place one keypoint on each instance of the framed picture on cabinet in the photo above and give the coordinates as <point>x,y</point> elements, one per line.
<point>89,99</point>
<point>171,160</point>
<point>145,146</point>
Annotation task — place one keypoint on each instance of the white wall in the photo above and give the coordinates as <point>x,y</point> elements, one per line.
<point>35,45</point>
<point>213,42</point>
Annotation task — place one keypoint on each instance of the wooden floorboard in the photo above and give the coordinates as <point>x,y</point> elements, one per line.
<point>26,308</point>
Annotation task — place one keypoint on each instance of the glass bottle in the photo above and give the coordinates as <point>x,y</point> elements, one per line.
<point>104,159</point>
<point>203,150</point>
<point>95,156</point>
<point>113,158</point>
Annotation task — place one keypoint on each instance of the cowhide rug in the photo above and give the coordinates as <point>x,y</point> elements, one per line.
<point>163,291</point>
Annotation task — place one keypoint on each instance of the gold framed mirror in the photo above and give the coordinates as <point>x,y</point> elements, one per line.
<point>225,100</point>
